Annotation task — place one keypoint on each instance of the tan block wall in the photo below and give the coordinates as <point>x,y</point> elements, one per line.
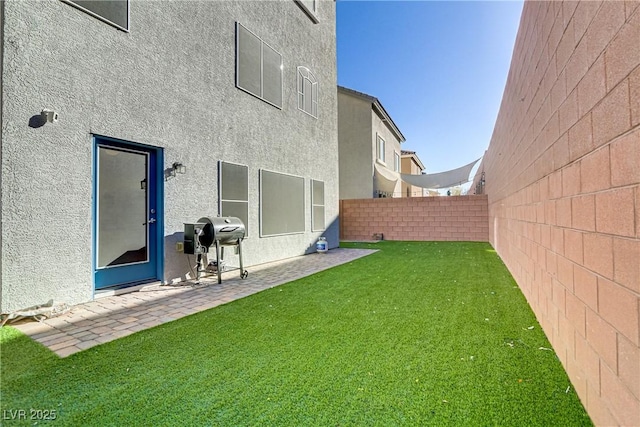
<point>455,218</point>
<point>563,181</point>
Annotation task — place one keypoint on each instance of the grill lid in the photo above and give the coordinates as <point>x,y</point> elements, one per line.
<point>226,230</point>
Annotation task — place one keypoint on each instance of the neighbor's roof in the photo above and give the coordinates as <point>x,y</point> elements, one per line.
<point>377,106</point>
<point>407,153</point>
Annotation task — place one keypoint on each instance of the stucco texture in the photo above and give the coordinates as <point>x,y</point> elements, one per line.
<point>169,83</point>
<point>359,125</point>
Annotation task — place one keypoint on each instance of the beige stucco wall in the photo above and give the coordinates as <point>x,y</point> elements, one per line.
<point>359,125</point>
<point>409,166</point>
<point>356,155</point>
<point>392,145</point>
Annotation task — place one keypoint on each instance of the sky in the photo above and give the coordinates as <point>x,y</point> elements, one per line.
<point>438,68</point>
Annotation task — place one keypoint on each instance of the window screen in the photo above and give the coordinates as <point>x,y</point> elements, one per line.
<point>233,188</point>
<point>114,12</point>
<point>249,62</point>
<point>271,75</point>
<point>307,92</point>
<point>281,203</point>
<point>258,67</point>
<point>317,205</point>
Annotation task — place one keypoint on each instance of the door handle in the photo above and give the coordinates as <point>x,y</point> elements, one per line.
<point>151,220</point>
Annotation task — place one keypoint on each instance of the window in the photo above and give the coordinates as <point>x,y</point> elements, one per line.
<point>311,8</point>
<point>380,148</point>
<point>307,92</point>
<point>113,12</point>
<point>258,67</point>
<point>317,205</point>
<point>396,161</point>
<point>281,204</point>
<point>233,191</point>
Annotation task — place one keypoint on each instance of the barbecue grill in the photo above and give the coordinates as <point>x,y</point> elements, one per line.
<point>218,231</point>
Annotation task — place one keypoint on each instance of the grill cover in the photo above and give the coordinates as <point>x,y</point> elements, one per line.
<point>226,230</point>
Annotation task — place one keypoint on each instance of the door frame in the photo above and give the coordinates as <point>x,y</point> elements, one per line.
<point>156,171</point>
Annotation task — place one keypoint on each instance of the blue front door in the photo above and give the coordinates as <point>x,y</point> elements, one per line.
<point>127,213</point>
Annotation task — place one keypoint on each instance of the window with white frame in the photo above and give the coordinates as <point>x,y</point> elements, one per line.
<point>307,92</point>
<point>317,205</point>
<point>233,191</point>
<point>311,8</point>
<point>281,204</point>
<point>380,147</point>
<point>396,161</point>
<point>258,67</point>
<point>113,12</point>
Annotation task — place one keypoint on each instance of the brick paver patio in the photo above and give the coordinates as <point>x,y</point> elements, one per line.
<point>108,318</point>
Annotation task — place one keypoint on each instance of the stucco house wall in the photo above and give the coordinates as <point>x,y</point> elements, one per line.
<point>563,182</point>
<point>170,83</point>
<point>392,146</point>
<point>361,119</point>
<point>411,164</point>
<point>356,155</point>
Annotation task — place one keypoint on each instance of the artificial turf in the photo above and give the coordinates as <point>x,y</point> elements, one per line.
<point>419,333</point>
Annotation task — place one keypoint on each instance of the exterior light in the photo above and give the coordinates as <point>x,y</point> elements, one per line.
<point>178,168</point>
<point>49,116</point>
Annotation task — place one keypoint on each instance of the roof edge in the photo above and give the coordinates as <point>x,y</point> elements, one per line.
<point>377,105</point>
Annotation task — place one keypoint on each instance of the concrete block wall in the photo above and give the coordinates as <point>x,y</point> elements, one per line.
<point>455,218</point>
<point>563,183</point>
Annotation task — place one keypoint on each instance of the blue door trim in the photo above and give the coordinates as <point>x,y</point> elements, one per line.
<point>114,277</point>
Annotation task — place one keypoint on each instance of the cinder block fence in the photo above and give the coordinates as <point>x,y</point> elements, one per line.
<point>563,180</point>
<point>455,218</point>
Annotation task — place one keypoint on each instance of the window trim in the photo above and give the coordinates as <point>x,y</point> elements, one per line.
<point>396,161</point>
<point>314,88</point>
<point>314,205</point>
<point>313,14</point>
<point>380,149</point>
<point>263,43</point>
<point>102,18</point>
<point>221,200</point>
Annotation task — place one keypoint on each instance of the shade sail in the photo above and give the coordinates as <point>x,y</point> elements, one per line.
<point>385,180</point>
<point>441,179</point>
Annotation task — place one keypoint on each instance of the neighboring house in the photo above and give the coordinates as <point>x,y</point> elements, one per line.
<point>369,144</point>
<point>411,164</point>
<point>166,112</point>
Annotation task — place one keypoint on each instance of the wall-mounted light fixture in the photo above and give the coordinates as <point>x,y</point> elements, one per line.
<point>178,168</point>
<point>173,170</point>
<point>49,116</point>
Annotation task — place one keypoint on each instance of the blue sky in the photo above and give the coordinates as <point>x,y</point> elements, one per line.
<point>438,68</point>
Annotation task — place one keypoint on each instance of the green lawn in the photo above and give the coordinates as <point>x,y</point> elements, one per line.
<point>419,333</point>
